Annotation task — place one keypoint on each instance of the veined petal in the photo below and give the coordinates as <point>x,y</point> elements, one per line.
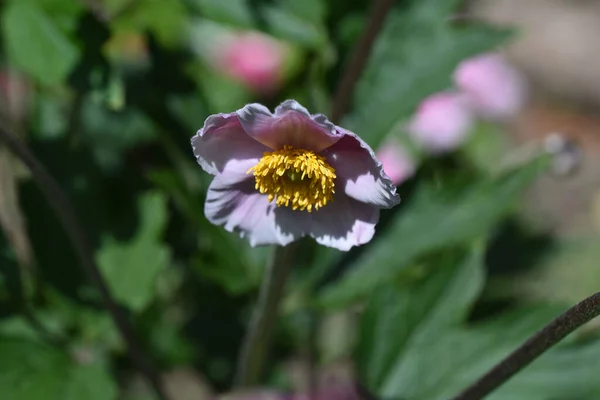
<point>222,140</point>
<point>344,224</point>
<point>291,125</point>
<point>360,173</point>
<point>240,208</point>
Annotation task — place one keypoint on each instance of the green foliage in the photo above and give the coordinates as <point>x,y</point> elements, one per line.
<point>301,28</point>
<point>108,93</point>
<point>413,57</point>
<point>416,315</point>
<point>234,12</point>
<point>34,371</point>
<point>165,20</point>
<point>132,268</point>
<point>435,353</point>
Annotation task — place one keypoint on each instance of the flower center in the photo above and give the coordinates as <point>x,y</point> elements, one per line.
<point>296,178</point>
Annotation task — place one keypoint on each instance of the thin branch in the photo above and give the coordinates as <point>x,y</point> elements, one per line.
<point>64,210</point>
<point>535,346</point>
<point>358,60</point>
<point>256,344</point>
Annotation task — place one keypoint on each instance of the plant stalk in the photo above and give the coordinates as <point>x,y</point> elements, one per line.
<point>255,348</point>
<point>535,346</point>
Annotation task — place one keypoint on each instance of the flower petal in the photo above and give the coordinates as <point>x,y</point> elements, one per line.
<point>360,173</point>
<point>222,140</point>
<point>240,208</point>
<point>291,125</point>
<point>344,223</point>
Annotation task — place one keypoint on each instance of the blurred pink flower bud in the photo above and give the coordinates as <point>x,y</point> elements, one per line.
<point>15,94</point>
<point>253,59</point>
<point>442,122</point>
<point>397,164</point>
<point>494,88</point>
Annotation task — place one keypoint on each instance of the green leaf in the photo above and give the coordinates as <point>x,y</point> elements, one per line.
<point>397,318</point>
<point>566,372</point>
<point>440,368</point>
<point>34,371</point>
<point>433,221</point>
<point>131,268</point>
<point>110,133</point>
<point>567,274</point>
<point>36,44</point>
<point>64,13</point>
<point>314,11</point>
<point>292,27</point>
<point>165,19</point>
<point>413,58</point>
<point>222,92</point>
<point>231,12</point>
<point>486,146</point>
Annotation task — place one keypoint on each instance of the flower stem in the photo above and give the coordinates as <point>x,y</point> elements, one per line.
<point>256,344</point>
<point>535,346</point>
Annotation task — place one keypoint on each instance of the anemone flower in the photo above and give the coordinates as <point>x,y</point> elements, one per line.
<point>284,175</point>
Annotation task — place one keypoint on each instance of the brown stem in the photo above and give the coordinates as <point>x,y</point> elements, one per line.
<point>64,210</point>
<point>535,346</point>
<point>358,60</point>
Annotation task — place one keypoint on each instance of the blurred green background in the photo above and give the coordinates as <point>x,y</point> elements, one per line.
<point>107,94</point>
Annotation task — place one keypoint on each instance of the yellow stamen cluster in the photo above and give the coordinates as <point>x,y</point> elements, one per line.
<point>296,178</point>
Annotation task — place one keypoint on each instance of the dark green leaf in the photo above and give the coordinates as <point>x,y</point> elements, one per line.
<point>397,318</point>
<point>34,371</point>
<point>440,368</point>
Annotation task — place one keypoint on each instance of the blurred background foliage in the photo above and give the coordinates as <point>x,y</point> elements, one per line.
<point>108,94</point>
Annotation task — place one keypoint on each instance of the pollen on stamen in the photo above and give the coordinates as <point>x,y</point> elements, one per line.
<point>295,178</point>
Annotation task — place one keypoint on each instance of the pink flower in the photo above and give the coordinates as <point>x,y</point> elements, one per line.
<point>397,164</point>
<point>494,88</point>
<point>442,122</point>
<point>282,176</point>
<point>254,59</point>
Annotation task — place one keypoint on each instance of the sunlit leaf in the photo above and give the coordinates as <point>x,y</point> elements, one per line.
<point>36,44</point>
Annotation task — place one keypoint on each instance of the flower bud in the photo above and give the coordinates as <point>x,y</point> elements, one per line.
<point>494,88</point>
<point>442,122</point>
